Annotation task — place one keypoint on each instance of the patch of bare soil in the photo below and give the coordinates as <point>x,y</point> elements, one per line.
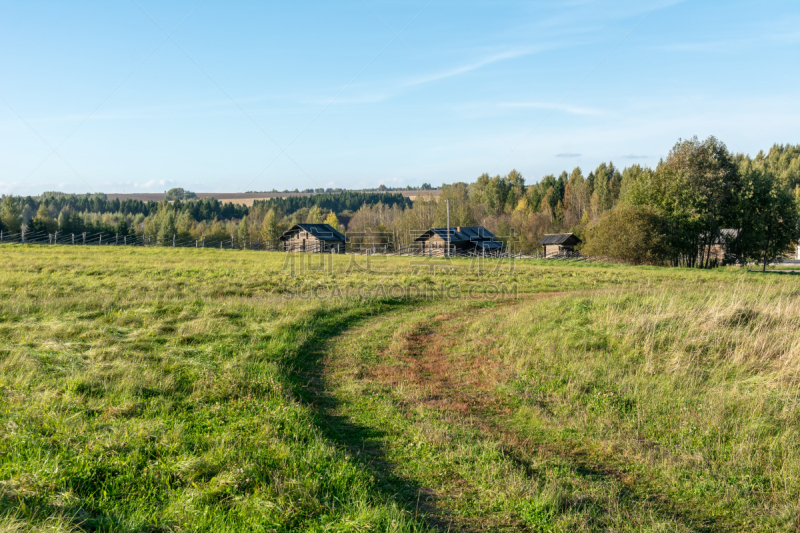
<point>462,386</point>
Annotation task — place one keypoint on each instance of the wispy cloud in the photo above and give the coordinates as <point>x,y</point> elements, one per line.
<point>463,69</point>
<point>544,105</point>
<point>568,155</point>
<point>633,156</point>
<point>381,95</point>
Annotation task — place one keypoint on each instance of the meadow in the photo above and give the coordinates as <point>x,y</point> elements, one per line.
<point>208,390</point>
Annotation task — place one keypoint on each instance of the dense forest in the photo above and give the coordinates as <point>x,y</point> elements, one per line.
<point>181,213</point>
<point>670,214</point>
<point>337,202</point>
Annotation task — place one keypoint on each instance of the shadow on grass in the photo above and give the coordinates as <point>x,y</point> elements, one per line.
<point>301,363</point>
<point>362,442</point>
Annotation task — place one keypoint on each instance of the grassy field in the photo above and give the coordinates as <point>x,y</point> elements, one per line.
<point>207,390</point>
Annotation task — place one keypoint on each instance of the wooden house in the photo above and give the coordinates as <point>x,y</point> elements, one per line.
<point>722,250</point>
<point>315,238</point>
<point>472,239</point>
<point>558,243</point>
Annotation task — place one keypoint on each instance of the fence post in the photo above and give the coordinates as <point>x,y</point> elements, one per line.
<point>84,237</point>
<point>125,240</point>
<point>173,240</point>
<point>100,241</point>
<point>22,231</point>
<point>116,239</point>
<point>55,238</point>
<point>195,243</point>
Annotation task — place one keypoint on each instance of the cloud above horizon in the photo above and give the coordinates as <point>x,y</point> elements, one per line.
<point>469,67</point>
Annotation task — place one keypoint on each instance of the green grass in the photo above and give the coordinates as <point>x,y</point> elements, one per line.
<point>206,390</point>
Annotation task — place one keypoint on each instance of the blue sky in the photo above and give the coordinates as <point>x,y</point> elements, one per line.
<point>141,96</point>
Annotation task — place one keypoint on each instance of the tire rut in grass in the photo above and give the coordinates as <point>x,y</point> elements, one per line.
<point>364,442</point>
<point>466,389</point>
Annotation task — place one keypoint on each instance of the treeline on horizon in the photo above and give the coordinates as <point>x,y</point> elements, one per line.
<point>379,188</point>
<point>668,215</point>
<point>341,202</point>
<point>180,213</point>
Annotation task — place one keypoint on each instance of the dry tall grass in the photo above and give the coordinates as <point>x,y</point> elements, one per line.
<point>691,385</point>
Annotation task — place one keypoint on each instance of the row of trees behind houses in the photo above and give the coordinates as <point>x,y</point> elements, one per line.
<point>671,214</point>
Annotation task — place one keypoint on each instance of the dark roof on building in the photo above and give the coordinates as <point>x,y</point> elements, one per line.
<point>460,234</point>
<point>323,232</point>
<point>489,245</point>
<point>560,238</point>
<point>727,235</point>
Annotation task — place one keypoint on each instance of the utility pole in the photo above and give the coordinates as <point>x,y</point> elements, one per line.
<point>448,227</point>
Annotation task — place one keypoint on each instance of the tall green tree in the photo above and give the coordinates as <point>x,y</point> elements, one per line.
<point>784,162</point>
<point>243,231</point>
<point>314,215</point>
<point>162,226</point>
<point>43,221</point>
<point>696,190</point>
<point>10,215</point>
<point>269,228</point>
<point>576,199</point>
<point>461,213</point>
<point>603,197</point>
<point>768,215</point>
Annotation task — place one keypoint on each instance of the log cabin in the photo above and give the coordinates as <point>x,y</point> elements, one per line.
<point>556,244</point>
<point>314,238</point>
<point>471,239</point>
